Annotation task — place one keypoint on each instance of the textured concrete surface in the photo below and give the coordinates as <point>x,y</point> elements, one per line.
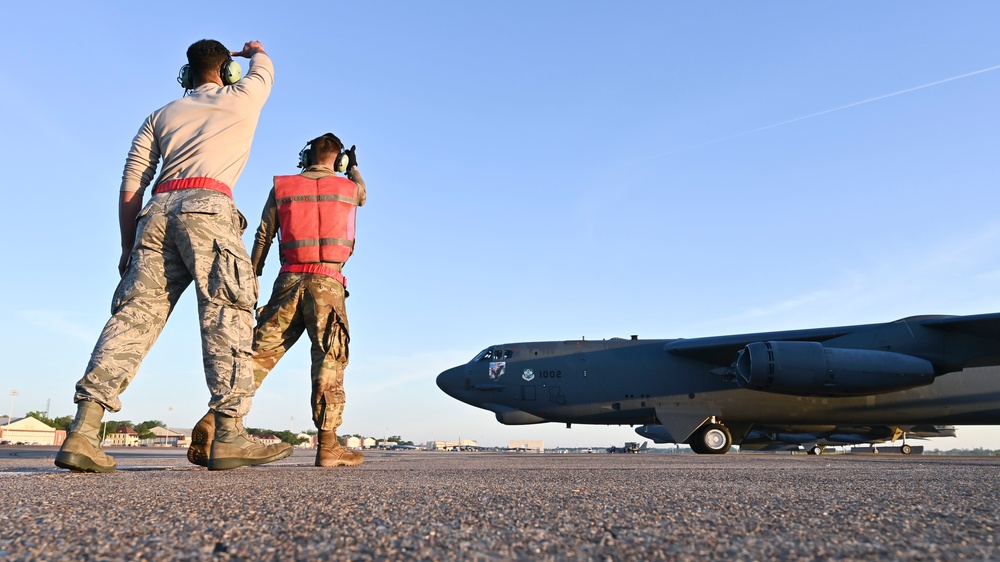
<point>487,506</point>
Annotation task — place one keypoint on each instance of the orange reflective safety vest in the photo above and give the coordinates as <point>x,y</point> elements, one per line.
<point>315,218</point>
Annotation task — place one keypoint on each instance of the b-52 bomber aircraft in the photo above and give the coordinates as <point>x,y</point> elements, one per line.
<point>711,393</point>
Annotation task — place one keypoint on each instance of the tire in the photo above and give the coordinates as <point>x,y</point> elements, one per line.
<point>906,449</point>
<point>711,439</point>
<point>816,450</point>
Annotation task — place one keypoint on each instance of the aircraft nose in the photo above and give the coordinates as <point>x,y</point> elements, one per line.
<point>452,381</point>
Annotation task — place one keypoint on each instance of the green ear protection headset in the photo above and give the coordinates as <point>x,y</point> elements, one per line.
<point>307,156</point>
<point>230,73</point>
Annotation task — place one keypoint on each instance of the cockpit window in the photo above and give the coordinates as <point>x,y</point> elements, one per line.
<point>494,354</point>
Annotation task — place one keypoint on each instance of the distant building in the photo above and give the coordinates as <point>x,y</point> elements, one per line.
<point>268,438</point>
<point>185,436</point>
<point>29,430</point>
<point>531,446</point>
<point>307,441</point>
<point>450,445</point>
<point>164,437</point>
<point>359,442</point>
<point>122,437</point>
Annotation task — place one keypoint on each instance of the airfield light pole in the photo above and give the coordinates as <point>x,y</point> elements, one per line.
<point>13,394</point>
<point>166,436</point>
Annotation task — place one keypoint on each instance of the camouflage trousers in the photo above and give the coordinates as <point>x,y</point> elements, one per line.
<point>182,236</point>
<point>311,303</point>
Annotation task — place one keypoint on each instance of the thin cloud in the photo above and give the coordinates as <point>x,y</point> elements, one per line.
<point>825,112</point>
<point>959,271</point>
<point>57,322</point>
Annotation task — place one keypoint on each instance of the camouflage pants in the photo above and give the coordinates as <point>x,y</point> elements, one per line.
<point>182,236</point>
<point>311,303</point>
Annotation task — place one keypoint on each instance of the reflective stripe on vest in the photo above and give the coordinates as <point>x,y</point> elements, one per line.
<point>315,218</point>
<point>194,183</point>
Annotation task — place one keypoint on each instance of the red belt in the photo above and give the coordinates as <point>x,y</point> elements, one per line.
<point>194,183</point>
<point>314,268</point>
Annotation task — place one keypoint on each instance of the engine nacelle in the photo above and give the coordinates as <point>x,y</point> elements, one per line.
<point>810,369</point>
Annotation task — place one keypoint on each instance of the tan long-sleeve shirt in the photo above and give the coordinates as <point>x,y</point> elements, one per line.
<point>207,133</point>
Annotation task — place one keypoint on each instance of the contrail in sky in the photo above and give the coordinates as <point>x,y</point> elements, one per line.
<point>826,111</point>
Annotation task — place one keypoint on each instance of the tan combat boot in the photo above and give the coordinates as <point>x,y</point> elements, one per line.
<point>81,451</point>
<point>232,447</point>
<point>331,453</point>
<point>201,440</point>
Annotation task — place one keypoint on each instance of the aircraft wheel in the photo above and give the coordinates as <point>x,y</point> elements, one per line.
<point>712,439</point>
<point>816,450</point>
<point>906,449</point>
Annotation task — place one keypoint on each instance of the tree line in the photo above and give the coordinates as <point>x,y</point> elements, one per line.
<point>109,426</point>
<point>143,429</point>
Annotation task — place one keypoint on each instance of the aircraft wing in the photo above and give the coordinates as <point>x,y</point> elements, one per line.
<point>959,339</point>
<point>769,447</point>
<point>722,350</point>
<point>772,438</point>
<point>981,325</point>
<point>789,438</point>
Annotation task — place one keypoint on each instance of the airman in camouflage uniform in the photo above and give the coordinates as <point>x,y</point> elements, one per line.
<point>313,303</point>
<point>184,235</point>
<point>189,231</point>
<point>308,296</point>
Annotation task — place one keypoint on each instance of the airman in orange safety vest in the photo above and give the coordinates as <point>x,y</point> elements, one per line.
<point>314,215</point>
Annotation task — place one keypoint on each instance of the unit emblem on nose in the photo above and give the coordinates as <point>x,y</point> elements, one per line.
<point>528,374</point>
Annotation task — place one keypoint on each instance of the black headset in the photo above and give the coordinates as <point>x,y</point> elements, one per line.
<point>307,156</point>
<point>230,73</point>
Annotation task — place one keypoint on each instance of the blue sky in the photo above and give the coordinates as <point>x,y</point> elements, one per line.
<point>536,171</point>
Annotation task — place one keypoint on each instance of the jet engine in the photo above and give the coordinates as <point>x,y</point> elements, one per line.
<point>810,369</point>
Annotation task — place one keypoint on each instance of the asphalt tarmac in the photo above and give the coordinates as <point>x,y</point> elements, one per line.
<point>494,506</point>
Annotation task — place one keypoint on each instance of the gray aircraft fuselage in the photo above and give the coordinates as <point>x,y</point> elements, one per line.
<point>920,370</point>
